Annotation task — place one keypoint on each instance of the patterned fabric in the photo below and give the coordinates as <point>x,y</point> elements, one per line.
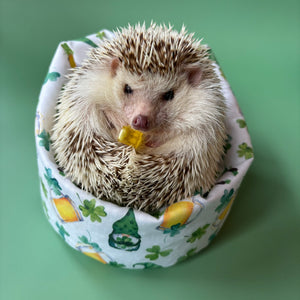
<point>121,236</point>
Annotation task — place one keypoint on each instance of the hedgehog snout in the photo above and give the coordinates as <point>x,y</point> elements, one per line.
<point>140,122</point>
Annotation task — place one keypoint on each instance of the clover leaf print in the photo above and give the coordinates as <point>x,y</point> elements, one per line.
<point>245,151</point>
<point>227,196</point>
<point>115,264</point>
<point>241,123</point>
<point>174,229</point>
<point>52,76</point>
<point>86,241</point>
<point>124,241</point>
<point>196,235</point>
<point>190,253</point>
<point>155,252</point>
<point>89,208</point>
<point>101,35</point>
<point>62,231</point>
<point>45,139</point>
<point>227,145</point>
<point>147,265</point>
<point>52,182</point>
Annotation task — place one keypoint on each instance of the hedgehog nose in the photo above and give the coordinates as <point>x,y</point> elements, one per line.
<point>140,122</point>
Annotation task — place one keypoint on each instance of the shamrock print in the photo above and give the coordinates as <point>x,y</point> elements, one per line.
<point>190,253</point>
<point>115,264</point>
<point>227,145</point>
<point>101,35</point>
<point>124,241</point>
<point>155,252</point>
<point>147,265</point>
<point>225,200</point>
<point>196,235</point>
<point>86,241</point>
<point>52,76</point>
<point>174,229</point>
<point>52,182</point>
<point>241,123</point>
<point>61,230</point>
<point>90,209</point>
<point>45,139</point>
<point>245,151</point>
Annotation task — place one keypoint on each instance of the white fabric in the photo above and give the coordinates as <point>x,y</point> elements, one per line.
<point>121,236</point>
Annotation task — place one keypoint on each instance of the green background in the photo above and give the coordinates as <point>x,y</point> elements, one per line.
<point>257,254</point>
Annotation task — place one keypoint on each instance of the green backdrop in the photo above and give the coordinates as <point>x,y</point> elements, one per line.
<point>257,253</point>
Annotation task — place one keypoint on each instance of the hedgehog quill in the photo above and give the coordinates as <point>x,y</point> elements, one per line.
<point>160,82</point>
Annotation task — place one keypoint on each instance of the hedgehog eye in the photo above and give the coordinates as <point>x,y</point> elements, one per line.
<point>168,95</point>
<point>127,89</point>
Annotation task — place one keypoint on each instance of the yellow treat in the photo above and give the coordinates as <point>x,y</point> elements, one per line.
<point>130,137</point>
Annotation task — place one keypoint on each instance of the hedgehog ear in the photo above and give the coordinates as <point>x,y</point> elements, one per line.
<point>194,75</point>
<point>114,65</point>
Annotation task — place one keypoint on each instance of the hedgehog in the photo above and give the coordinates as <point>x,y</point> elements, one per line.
<point>161,82</point>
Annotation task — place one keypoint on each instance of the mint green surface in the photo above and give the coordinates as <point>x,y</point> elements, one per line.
<point>257,253</point>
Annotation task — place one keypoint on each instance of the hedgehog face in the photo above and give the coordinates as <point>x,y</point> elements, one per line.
<point>157,80</point>
<point>159,105</point>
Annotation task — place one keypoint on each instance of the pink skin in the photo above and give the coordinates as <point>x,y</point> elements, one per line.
<point>140,114</point>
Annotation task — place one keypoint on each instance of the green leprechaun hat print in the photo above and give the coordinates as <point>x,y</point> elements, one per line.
<point>125,233</point>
